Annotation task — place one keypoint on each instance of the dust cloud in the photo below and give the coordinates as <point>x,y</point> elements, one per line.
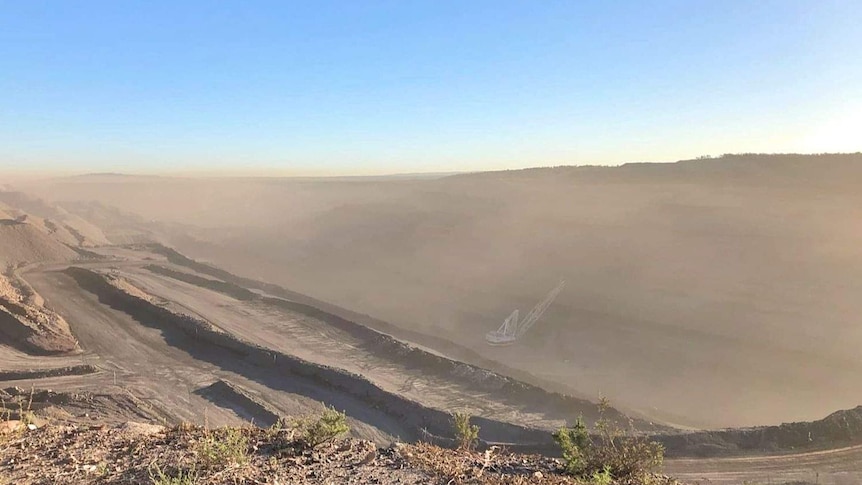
<point>720,292</point>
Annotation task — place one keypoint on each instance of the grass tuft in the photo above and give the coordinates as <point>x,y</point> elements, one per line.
<point>160,477</point>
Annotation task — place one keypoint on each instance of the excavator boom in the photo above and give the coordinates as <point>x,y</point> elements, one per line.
<point>512,329</point>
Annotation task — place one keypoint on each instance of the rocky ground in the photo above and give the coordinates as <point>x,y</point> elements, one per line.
<point>51,437</point>
<point>77,452</point>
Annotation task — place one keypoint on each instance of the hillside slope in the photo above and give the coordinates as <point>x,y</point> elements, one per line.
<point>53,220</point>
<point>24,321</point>
<point>25,243</point>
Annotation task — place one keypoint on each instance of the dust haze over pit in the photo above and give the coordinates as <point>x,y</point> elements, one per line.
<point>701,293</point>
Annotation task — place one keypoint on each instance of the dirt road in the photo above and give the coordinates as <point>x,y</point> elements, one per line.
<point>832,467</point>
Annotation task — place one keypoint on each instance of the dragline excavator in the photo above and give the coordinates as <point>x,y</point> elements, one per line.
<point>513,327</point>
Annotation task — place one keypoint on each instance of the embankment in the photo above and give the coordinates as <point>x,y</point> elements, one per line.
<point>377,405</point>
<point>505,389</point>
<point>451,349</point>
<point>30,335</point>
<point>229,289</point>
<point>26,324</point>
<point>74,370</point>
<point>841,428</point>
<point>414,416</point>
<point>231,396</point>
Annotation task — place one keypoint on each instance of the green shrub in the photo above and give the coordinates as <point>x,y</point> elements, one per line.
<point>223,448</point>
<point>466,434</point>
<point>603,477</point>
<point>610,454</point>
<point>327,427</point>
<point>574,443</point>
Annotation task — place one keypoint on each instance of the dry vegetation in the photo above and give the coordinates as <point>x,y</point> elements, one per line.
<point>610,454</point>
<point>192,455</point>
<point>36,450</point>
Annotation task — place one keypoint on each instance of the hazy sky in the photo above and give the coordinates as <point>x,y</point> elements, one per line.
<point>404,86</point>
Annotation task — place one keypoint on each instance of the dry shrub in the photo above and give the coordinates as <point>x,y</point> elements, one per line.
<point>223,448</point>
<point>181,477</point>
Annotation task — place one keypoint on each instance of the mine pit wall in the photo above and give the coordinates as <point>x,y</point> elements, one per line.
<point>504,388</point>
<point>414,357</point>
<point>229,289</point>
<point>410,413</point>
<point>841,428</point>
<point>85,254</point>
<point>534,385</point>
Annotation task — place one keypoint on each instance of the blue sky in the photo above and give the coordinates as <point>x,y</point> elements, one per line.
<point>409,86</point>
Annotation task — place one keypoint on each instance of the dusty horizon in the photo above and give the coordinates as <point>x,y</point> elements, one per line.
<point>273,172</point>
